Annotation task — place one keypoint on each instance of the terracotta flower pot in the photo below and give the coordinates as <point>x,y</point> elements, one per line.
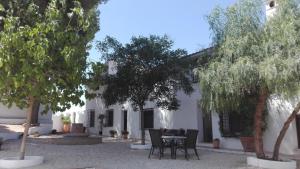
<point>248,143</point>
<point>66,128</point>
<point>216,143</point>
<point>125,136</point>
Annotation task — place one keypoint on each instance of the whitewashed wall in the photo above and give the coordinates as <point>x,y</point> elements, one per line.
<point>13,112</point>
<point>188,116</point>
<point>225,142</point>
<point>15,115</point>
<point>279,110</point>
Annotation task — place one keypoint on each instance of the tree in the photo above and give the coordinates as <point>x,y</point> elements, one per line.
<point>43,51</point>
<point>253,56</point>
<point>147,69</point>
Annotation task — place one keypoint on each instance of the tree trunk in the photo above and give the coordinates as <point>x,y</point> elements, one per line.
<point>31,101</point>
<point>35,113</point>
<point>142,125</point>
<point>283,131</point>
<point>258,118</point>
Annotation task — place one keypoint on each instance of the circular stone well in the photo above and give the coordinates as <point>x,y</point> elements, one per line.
<point>14,162</point>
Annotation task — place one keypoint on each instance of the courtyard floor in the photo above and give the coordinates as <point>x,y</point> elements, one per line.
<point>118,155</point>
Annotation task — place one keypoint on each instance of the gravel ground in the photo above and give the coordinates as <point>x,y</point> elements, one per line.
<point>118,155</point>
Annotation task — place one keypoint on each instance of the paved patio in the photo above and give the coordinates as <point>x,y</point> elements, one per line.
<point>117,155</point>
<point>5,128</point>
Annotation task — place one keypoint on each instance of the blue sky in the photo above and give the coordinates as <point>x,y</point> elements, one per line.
<point>183,21</point>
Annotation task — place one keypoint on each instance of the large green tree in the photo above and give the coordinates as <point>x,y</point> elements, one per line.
<point>43,52</point>
<point>253,56</point>
<point>147,70</point>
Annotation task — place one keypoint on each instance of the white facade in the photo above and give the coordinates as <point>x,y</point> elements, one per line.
<point>15,115</point>
<point>188,116</point>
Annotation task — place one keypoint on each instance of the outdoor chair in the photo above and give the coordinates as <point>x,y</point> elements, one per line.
<point>181,132</point>
<point>171,132</point>
<point>156,141</point>
<point>189,143</point>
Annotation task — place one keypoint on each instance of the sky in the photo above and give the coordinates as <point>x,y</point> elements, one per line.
<point>183,21</point>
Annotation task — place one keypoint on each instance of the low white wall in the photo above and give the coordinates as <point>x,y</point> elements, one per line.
<point>57,123</point>
<point>12,112</point>
<point>15,115</point>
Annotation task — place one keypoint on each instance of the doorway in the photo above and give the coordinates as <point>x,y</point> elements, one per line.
<point>125,120</point>
<point>298,128</point>
<point>207,128</point>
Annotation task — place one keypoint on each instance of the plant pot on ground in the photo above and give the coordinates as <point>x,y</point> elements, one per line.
<point>247,140</point>
<point>125,134</point>
<point>112,133</point>
<point>67,123</point>
<point>216,143</point>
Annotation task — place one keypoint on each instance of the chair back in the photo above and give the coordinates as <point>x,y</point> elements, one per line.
<point>181,132</point>
<point>171,132</point>
<point>155,136</point>
<point>191,138</point>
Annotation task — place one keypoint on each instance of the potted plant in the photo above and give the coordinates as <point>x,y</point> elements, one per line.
<point>112,133</point>
<point>125,134</point>
<point>216,143</point>
<point>66,121</point>
<point>247,139</point>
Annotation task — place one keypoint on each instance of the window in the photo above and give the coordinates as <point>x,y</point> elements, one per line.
<point>109,118</point>
<point>92,118</point>
<point>231,124</point>
<point>148,118</point>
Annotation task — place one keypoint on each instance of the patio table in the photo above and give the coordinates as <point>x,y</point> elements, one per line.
<point>173,140</point>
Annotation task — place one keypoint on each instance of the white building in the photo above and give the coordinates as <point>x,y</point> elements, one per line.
<point>15,115</point>
<point>189,116</point>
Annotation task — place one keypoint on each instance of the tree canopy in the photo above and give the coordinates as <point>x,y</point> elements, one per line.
<point>254,55</point>
<point>251,53</point>
<point>147,69</point>
<point>43,50</point>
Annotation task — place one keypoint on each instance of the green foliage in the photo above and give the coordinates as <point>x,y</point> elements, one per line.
<point>147,69</point>
<point>43,51</point>
<point>251,54</point>
<point>66,119</point>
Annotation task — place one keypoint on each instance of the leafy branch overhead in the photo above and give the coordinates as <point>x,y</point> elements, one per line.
<point>43,50</point>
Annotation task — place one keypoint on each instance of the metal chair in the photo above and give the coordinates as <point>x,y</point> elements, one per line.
<point>156,142</point>
<point>189,143</point>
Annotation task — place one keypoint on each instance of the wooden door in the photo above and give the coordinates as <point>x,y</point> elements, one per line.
<point>207,128</point>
